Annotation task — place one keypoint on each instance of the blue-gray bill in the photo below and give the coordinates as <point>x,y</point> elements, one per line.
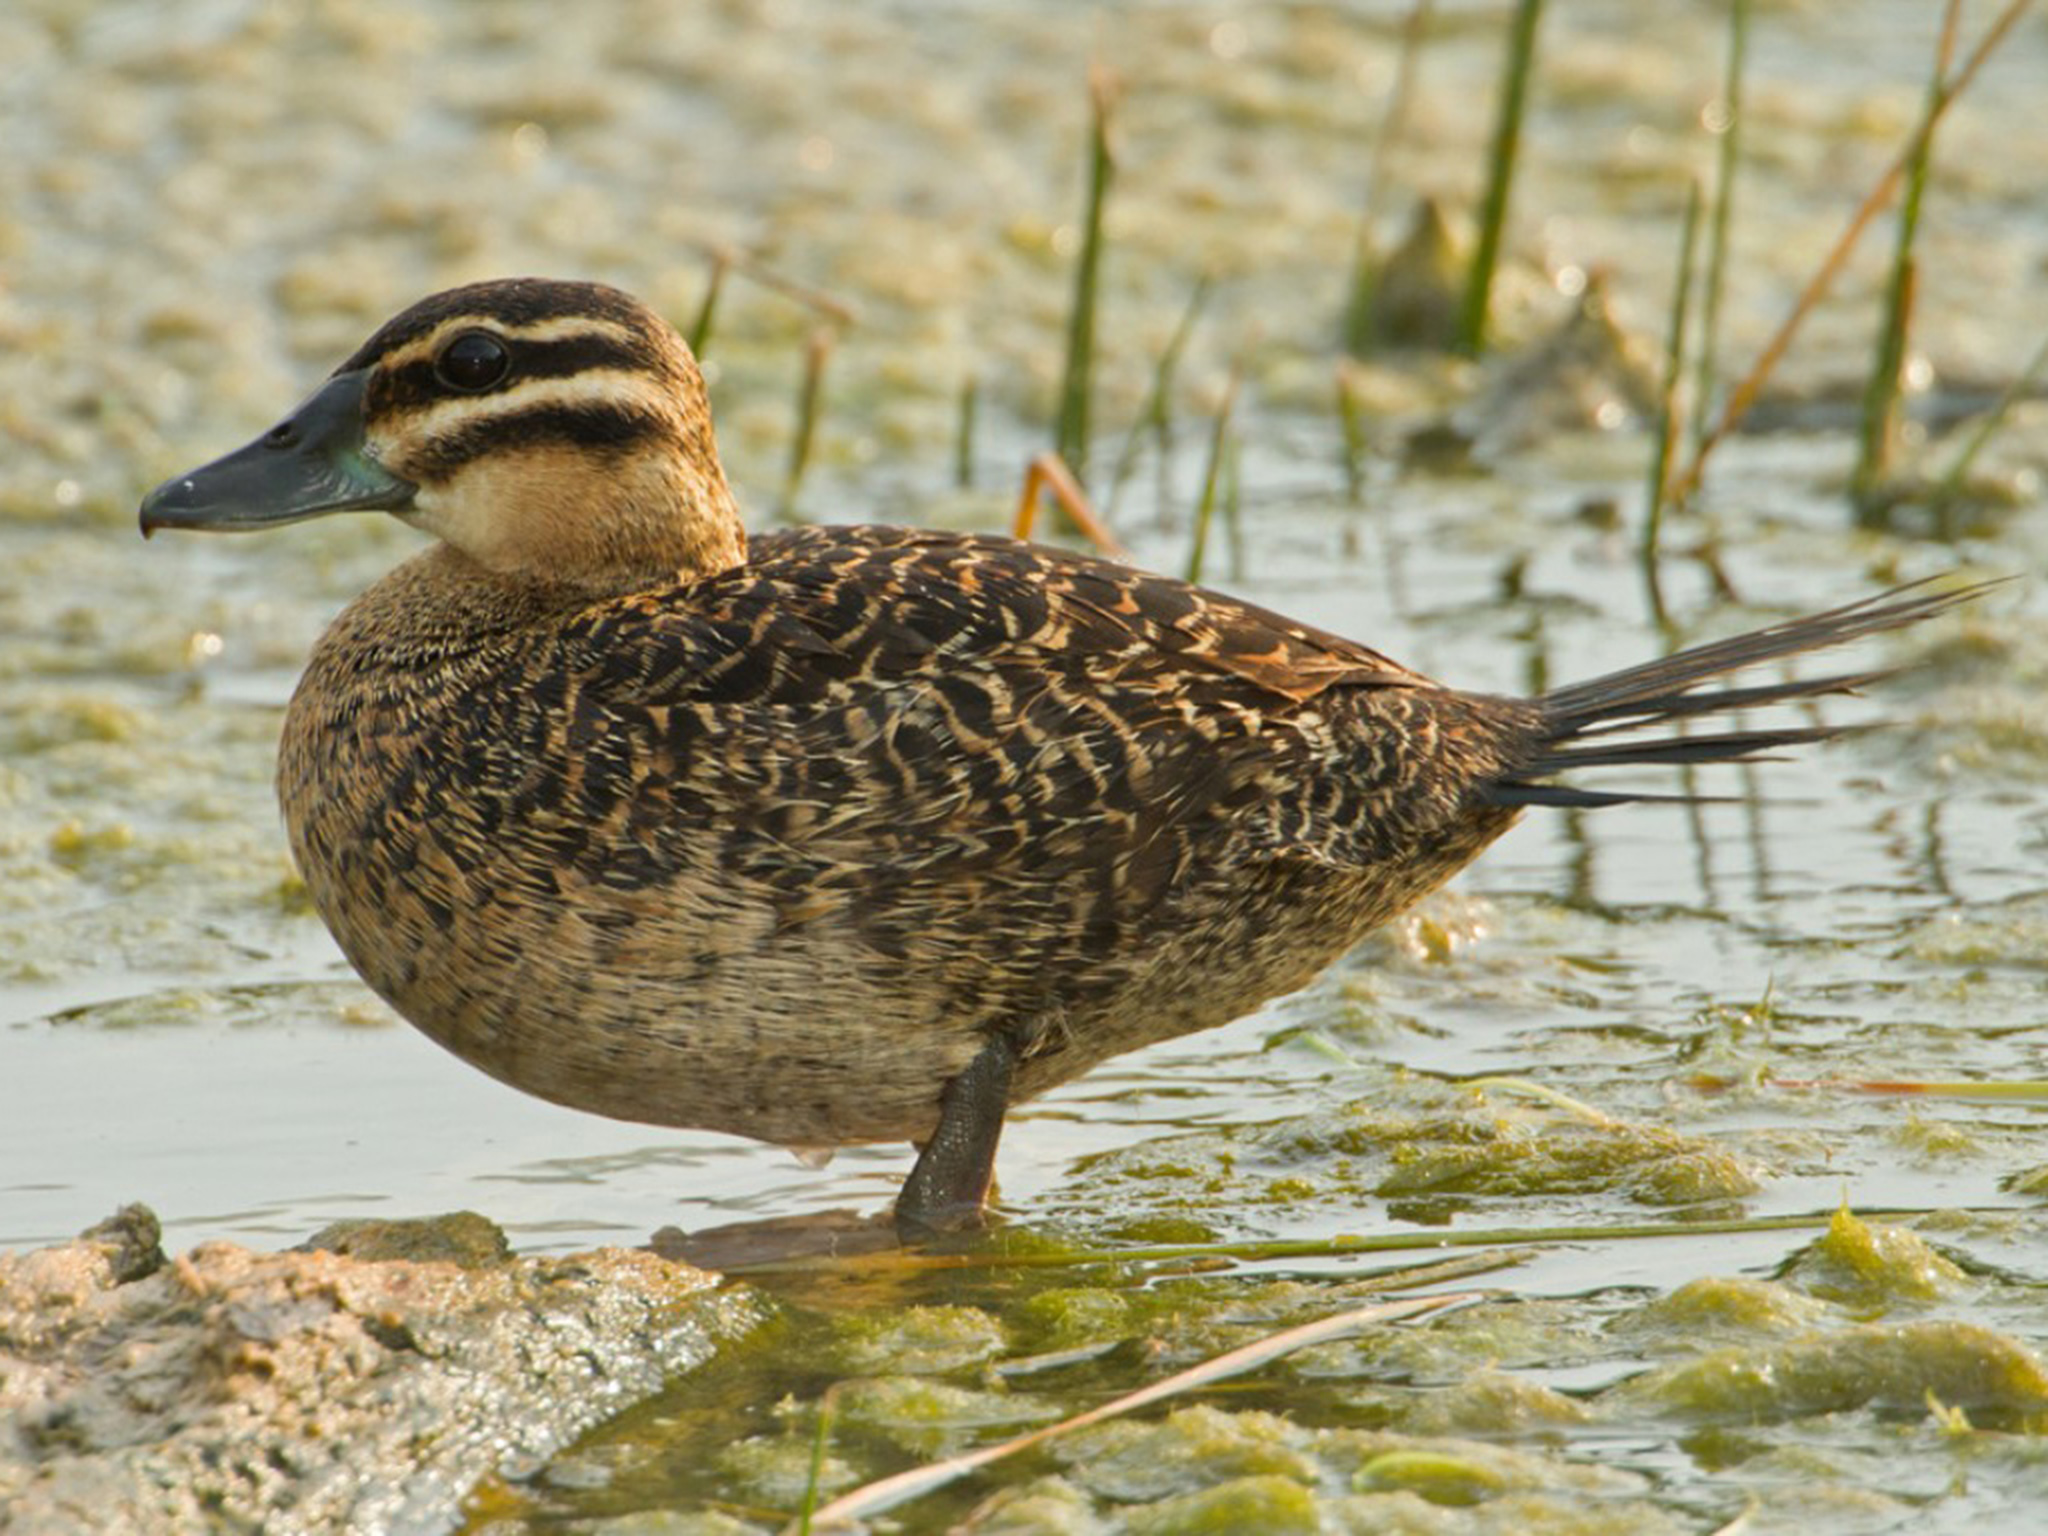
<point>313,462</point>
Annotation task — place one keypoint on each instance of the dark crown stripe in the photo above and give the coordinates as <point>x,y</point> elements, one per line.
<point>514,303</point>
<point>607,426</point>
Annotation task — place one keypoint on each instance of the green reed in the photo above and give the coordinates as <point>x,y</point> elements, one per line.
<point>1077,378</point>
<point>1500,171</point>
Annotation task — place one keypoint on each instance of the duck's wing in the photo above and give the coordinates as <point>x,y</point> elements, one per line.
<point>826,604</point>
<point>860,708</point>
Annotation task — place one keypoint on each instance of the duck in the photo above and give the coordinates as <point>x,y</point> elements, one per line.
<point>845,833</point>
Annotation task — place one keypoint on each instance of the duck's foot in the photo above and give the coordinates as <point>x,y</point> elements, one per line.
<point>949,1185</point>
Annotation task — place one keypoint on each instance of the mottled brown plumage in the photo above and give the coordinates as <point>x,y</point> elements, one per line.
<point>781,839</point>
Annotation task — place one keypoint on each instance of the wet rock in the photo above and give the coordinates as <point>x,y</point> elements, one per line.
<point>460,1237</point>
<point>132,1239</point>
<point>317,1391</point>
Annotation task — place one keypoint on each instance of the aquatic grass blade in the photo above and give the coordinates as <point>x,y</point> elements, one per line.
<point>1664,444</point>
<point>1077,378</point>
<point>1949,488</point>
<point>1744,394</point>
<point>2011,1092</point>
<point>1048,474</point>
<point>888,1492</point>
<point>963,438</point>
<point>1500,171</point>
<point>1233,505</point>
<point>714,285</point>
<point>810,391</point>
<point>1351,423</point>
<point>1878,431</point>
<point>1212,477</point>
<point>1156,414</point>
<point>1497,1241</point>
<point>1726,162</point>
<point>1365,261</point>
<point>821,1438</point>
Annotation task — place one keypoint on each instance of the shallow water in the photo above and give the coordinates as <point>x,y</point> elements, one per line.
<point>205,210</point>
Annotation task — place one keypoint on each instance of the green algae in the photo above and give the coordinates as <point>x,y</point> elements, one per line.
<point>1439,1427</point>
<point>1439,1478</point>
<point>1068,1316</point>
<point>1380,1148</point>
<point>1490,1403</point>
<point>1718,1308</point>
<point>1267,1505</point>
<point>1189,1450</point>
<point>1869,1269</point>
<point>1648,1164</point>
<point>919,1340</point>
<point>1893,1366</point>
<point>2015,935</point>
<point>1936,1141</point>
<point>2029,1181</point>
<point>930,1418</point>
<point>776,1471</point>
<point>1050,1506</point>
<point>1515,1514</point>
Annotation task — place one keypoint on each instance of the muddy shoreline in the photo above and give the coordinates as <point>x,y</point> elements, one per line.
<point>369,1390</point>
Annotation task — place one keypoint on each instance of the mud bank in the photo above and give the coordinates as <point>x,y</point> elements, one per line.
<point>229,1390</point>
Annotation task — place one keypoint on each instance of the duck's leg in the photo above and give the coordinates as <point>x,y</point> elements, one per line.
<point>949,1184</point>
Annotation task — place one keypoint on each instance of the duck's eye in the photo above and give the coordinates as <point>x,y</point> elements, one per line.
<point>472,361</point>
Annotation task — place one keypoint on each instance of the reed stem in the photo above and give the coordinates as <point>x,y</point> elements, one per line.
<point>1212,478</point>
<point>1745,393</point>
<point>810,391</point>
<point>1663,450</point>
<point>1877,437</point>
<point>1365,261</point>
<point>1500,171</point>
<point>1705,375</point>
<point>1948,490</point>
<point>1077,380</point>
<point>714,285</point>
<point>1156,415</point>
<point>963,440</point>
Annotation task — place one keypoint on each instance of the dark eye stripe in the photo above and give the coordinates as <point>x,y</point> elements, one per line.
<point>416,383</point>
<point>607,427</point>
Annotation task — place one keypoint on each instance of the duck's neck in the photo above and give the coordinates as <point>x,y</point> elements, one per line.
<point>442,606</point>
<point>557,526</point>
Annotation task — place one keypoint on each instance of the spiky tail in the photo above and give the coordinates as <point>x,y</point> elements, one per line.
<point>1577,720</point>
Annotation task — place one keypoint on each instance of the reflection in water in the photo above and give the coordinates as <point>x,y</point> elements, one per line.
<point>834,1234</point>
<point>1933,866</point>
<point>1696,829</point>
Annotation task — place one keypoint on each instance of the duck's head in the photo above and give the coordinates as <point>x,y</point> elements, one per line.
<point>550,431</point>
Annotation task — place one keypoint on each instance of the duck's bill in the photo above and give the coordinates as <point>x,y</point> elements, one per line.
<point>311,463</point>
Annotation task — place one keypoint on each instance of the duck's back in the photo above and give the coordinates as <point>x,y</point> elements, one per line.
<point>717,854</point>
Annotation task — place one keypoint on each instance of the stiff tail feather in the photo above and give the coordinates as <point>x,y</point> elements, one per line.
<point>1586,725</point>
